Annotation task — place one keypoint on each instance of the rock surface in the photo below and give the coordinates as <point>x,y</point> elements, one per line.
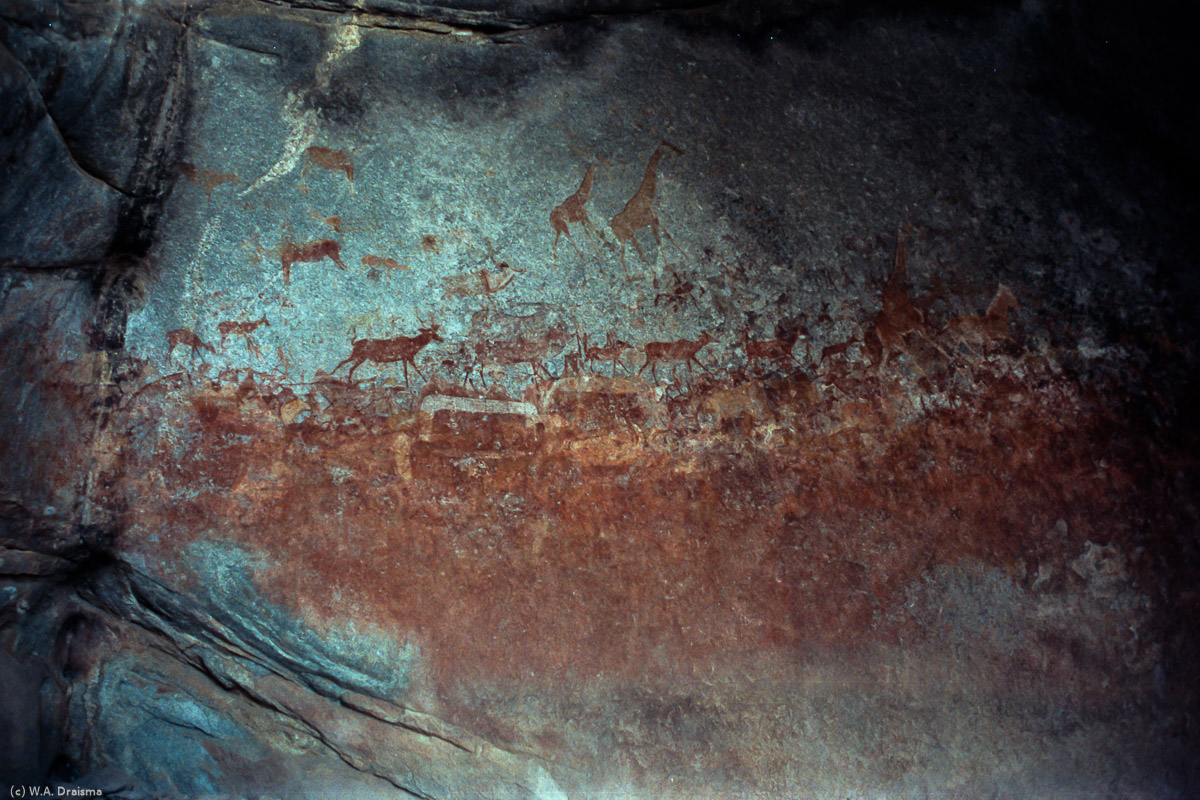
<point>589,399</point>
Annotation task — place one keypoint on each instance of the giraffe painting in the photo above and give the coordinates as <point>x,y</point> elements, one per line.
<point>639,211</point>
<point>572,210</point>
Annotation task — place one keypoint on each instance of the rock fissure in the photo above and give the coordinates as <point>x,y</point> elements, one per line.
<point>274,688</point>
<point>447,19</point>
<point>44,113</point>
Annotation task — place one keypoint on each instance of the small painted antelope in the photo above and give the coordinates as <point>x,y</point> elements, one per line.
<point>777,350</point>
<point>612,351</point>
<point>993,325</point>
<point>291,253</point>
<point>242,328</point>
<point>388,351</point>
<point>182,336</point>
<point>682,350</point>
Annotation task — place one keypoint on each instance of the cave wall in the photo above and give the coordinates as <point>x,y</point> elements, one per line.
<point>587,400</point>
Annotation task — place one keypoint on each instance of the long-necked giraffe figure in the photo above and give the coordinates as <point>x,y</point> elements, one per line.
<point>572,210</point>
<point>639,213</point>
<point>899,317</point>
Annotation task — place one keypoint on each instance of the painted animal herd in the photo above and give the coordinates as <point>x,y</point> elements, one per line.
<point>500,341</point>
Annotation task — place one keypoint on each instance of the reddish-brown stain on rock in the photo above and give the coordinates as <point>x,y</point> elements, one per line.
<point>382,262</point>
<point>208,178</point>
<point>330,159</point>
<point>508,547</point>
